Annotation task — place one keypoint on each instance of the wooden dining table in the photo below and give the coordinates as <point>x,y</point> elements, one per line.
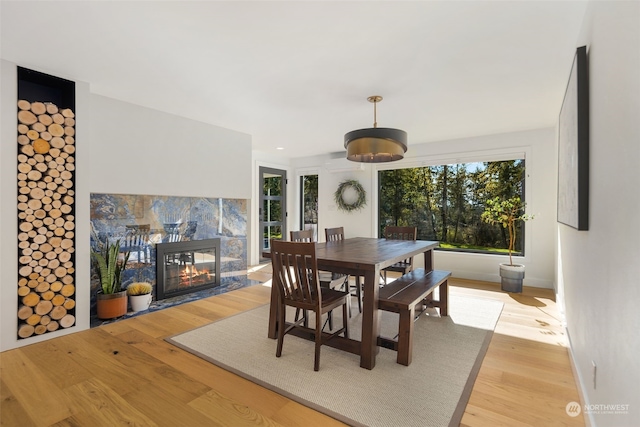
<point>361,257</point>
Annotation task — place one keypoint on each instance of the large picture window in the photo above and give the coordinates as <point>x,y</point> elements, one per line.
<point>445,203</point>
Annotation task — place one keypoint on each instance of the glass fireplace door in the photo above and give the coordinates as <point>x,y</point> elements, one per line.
<point>185,267</point>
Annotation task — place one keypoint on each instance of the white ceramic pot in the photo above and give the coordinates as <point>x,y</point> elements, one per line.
<point>140,302</point>
<point>511,277</point>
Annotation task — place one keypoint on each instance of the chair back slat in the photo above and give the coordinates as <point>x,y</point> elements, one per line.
<point>295,272</point>
<point>334,234</point>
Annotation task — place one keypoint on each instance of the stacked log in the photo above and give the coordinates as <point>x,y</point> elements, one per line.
<point>46,220</point>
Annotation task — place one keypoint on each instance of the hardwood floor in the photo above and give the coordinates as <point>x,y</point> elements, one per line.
<point>125,373</point>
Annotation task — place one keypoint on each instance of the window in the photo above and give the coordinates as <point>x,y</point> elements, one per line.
<point>309,205</point>
<point>273,209</point>
<point>445,202</point>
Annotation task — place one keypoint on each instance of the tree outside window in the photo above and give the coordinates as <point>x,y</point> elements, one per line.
<point>446,202</point>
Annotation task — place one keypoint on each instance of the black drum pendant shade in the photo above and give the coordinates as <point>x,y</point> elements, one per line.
<point>375,145</point>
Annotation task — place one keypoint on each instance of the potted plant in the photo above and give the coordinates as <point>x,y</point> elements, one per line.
<point>507,212</point>
<point>111,299</point>
<point>139,295</point>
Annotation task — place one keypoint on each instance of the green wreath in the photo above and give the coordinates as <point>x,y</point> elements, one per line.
<point>354,185</point>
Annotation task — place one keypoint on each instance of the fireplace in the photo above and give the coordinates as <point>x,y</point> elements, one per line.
<point>185,267</point>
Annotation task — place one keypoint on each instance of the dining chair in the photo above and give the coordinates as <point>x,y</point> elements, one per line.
<point>328,279</point>
<point>336,234</point>
<point>295,274</point>
<point>400,233</point>
<point>301,236</point>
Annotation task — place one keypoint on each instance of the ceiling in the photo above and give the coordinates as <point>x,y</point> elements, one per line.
<point>297,74</point>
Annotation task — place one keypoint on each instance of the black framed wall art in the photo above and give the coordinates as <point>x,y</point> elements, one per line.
<point>573,147</point>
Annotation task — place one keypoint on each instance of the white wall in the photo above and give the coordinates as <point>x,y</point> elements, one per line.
<point>121,148</point>
<point>355,223</point>
<point>9,192</point>
<point>538,147</point>
<point>137,150</point>
<point>599,269</point>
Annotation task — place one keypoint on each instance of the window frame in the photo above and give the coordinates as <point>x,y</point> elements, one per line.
<point>300,173</point>
<point>489,155</point>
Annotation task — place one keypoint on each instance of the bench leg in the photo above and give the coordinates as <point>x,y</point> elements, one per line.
<point>405,337</point>
<point>444,298</point>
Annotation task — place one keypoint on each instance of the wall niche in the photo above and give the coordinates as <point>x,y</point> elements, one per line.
<point>46,203</point>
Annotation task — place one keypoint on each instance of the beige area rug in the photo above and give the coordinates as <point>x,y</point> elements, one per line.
<point>432,391</point>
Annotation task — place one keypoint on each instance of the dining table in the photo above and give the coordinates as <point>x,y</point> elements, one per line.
<point>361,257</point>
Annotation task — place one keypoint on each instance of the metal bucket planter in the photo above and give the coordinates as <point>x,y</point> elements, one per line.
<point>511,277</point>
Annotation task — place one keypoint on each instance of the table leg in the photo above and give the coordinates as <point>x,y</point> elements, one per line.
<point>370,320</point>
<point>428,260</point>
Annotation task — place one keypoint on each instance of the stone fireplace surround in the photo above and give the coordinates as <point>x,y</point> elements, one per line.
<point>142,221</point>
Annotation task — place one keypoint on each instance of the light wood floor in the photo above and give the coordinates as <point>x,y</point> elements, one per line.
<point>125,373</point>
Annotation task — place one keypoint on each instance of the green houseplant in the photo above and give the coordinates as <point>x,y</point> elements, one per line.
<point>111,299</point>
<point>507,213</point>
<point>139,295</point>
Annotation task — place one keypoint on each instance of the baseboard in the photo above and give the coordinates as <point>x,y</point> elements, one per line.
<point>580,385</point>
<point>495,278</point>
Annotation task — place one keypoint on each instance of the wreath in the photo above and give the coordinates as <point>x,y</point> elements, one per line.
<point>347,186</point>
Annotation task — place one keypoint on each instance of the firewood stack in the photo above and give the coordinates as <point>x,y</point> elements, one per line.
<point>46,221</point>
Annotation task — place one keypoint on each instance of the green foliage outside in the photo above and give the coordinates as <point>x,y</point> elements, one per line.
<point>272,193</point>
<point>309,200</point>
<point>272,208</point>
<point>446,203</point>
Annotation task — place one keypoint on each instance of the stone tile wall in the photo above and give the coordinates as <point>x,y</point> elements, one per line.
<point>166,218</point>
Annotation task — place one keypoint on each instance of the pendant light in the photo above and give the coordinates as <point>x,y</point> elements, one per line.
<point>375,145</point>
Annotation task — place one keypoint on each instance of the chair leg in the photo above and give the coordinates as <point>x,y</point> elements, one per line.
<point>304,316</point>
<point>359,293</point>
<point>347,288</point>
<point>358,287</point>
<point>316,360</point>
<point>345,284</point>
<point>281,328</point>
<point>330,320</point>
<point>345,321</point>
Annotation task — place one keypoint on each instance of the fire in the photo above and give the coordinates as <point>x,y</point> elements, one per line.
<point>190,275</point>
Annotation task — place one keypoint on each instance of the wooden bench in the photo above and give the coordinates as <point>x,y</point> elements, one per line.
<point>402,296</point>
